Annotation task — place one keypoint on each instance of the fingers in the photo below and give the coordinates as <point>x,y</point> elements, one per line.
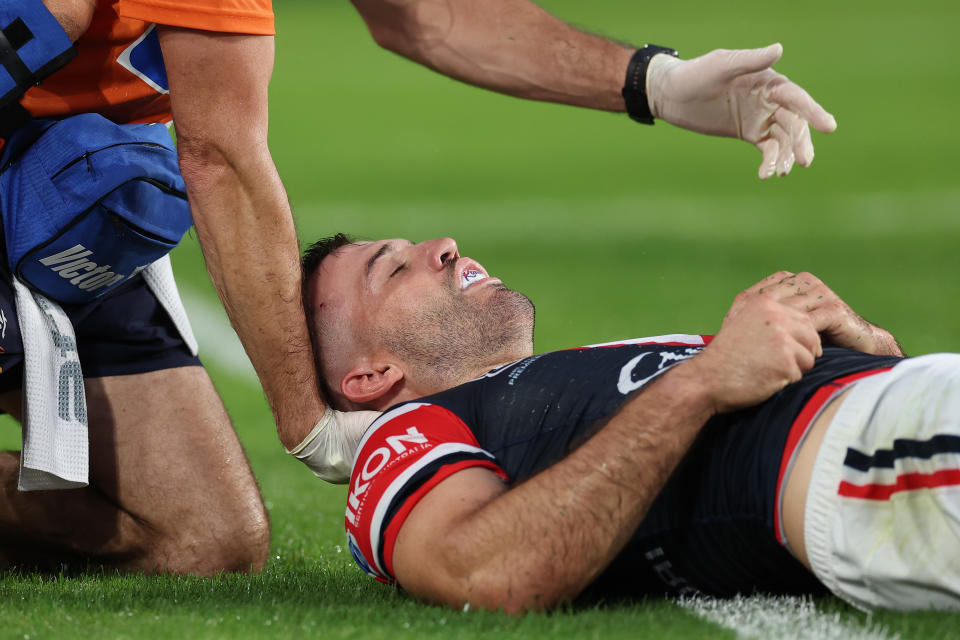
<point>768,286</point>
<point>793,298</point>
<point>794,337</point>
<point>798,131</point>
<point>823,310</point>
<point>808,294</point>
<point>770,280</point>
<point>805,357</point>
<point>803,146</point>
<point>785,157</point>
<point>801,292</point>
<point>795,99</point>
<point>742,61</point>
<point>767,341</point>
<point>770,148</point>
<point>808,340</point>
<point>777,148</point>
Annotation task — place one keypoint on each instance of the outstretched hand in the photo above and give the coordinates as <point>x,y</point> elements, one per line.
<point>738,95</point>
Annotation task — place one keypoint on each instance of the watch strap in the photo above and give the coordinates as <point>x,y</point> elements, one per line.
<point>635,86</point>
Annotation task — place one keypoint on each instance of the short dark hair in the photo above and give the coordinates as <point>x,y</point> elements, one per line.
<point>318,251</point>
<point>309,265</point>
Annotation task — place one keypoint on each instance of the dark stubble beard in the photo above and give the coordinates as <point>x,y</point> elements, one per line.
<point>452,337</point>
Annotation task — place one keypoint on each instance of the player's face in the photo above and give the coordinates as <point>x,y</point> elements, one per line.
<point>427,304</point>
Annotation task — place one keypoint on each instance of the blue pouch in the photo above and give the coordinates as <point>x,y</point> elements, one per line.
<point>87,204</point>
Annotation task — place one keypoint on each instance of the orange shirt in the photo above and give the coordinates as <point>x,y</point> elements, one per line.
<point>119,71</point>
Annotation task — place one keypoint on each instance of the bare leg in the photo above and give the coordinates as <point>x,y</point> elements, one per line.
<point>170,487</point>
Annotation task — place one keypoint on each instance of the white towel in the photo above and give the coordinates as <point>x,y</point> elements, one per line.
<point>159,277</point>
<point>55,451</point>
<point>55,441</point>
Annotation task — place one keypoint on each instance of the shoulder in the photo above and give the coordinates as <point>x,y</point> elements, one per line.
<point>405,453</point>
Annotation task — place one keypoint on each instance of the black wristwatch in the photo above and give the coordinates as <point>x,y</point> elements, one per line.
<point>635,86</point>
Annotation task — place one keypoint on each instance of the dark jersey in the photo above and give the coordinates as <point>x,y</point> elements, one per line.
<point>712,528</point>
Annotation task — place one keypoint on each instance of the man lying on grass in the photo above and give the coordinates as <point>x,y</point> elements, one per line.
<point>795,450</point>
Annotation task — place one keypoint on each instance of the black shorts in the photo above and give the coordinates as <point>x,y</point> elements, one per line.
<point>127,331</point>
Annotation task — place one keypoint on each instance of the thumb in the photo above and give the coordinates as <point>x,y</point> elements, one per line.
<point>825,320</point>
<point>743,61</point>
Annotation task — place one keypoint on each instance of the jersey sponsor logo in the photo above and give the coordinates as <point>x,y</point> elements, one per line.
<point>382,421</point>
<point>144,59</point>
<point>72,264</point>
<point>376,461</point>
<point>640,370</point>
<point>407,441</point>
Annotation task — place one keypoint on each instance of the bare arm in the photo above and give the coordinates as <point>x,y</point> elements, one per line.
<point>517,48</point>
<point>510,46</point>
<point>471,541</point>
<point>73,15</point>
<point>218,90</point>
<point>542,543</point>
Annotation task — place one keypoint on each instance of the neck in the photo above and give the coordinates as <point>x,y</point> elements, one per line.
<point>413,387</point>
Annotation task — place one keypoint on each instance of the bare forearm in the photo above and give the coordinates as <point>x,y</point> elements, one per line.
<point>544,541</point>
<point>218,91</point>
<point>251,252</point>
<point>510,46</point>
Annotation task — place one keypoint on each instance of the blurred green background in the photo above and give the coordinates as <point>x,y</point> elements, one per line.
<point>614,229</point>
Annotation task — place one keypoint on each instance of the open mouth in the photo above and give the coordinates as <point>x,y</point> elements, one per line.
<point>470,277</point>
<point>470,274</point>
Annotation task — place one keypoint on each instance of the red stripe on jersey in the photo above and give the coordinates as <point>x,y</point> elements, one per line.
<point>393,529</point>
<point>905,482</point>
<point>800,427</point>
<point>403,442</point>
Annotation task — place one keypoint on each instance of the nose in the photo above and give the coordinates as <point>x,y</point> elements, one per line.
<point>440,251</point>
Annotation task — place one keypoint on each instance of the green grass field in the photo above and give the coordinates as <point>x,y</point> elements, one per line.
<point>614,229</point>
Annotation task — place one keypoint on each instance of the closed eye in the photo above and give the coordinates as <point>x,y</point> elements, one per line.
<point>398,269</point>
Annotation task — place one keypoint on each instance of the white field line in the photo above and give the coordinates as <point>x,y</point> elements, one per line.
<point>780,618</point>
<point>219,345</point>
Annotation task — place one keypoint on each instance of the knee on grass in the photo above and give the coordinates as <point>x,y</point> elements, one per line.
<point>231,537</point>
<point>211,550</point>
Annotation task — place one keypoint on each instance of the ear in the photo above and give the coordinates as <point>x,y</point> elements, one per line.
<point>370,381</point>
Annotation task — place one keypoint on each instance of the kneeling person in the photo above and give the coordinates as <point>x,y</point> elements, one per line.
<point>169,486</point>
